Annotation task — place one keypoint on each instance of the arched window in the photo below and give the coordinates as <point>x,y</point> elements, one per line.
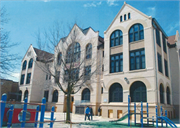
<point>26,94</point>
<point>24,65</point>
<point>86,95</point>
<point>161,94</point>
<point>55,96</point>
<point>136,32</point>
<point>138,92</point>
<point>124,17</point>
<point>168,95</point>
<point>129,15</point>
<point>59,58</point>
<point>116,93</point>
<point>73,53</point>
<point>88,51</point>
<point>30,63</point>
<point>116,38</point>
<point>120,18</point>
<point>19,95</point>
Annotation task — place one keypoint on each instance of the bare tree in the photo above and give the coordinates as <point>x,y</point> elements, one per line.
<point>8,60</point>
<point>73,67</point>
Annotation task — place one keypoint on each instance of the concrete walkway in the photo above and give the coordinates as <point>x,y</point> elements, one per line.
<point>76,119</point>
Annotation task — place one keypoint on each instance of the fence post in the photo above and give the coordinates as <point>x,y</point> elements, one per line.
<point>52,116</point>
<point>10,116</point>
<point>36,118</point>
<point>135,113</point>
<point>3,105</point>
<point>147,114</point>
<point>24,113</point>
<point>156,117</point>
<point>161,115</point>
<point>141,114</point>
<point>42,112</point>
<point>128,110</point>
<point>166,116</point>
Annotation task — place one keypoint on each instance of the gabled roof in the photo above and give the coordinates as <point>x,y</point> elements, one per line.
<point>43,55</point>
<point>125,4</point>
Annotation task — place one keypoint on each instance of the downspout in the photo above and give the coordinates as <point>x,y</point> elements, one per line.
<point>157,103</point>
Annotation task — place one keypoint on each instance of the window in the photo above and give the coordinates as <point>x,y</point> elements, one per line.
<point>30,63</point>
<point>22,79</point>
<point>46,95</point>
<point>103,67</point>
<point>19,95</point>
<point>28,78</point>
<point>116,38</point>
<point>87,72</point>
<point>101,90</point>
<point>120,18</point>
<point>73,53</point>
<point>103,53</point>
<point>46,76</point>
<point>59,58</point>
<point>88,51</point>
<point>116,93</point>
<point>116,63</point>
<point>168,95</point>
<point>138,92</point>
<point>26,94</point>
<point>161,94</point>
<point>137,59</point>
<point>73,74</point>
<point>55,96</point>
<point>125,17</point>
<point>129,15</point>
<point>159,63</point>
<point>86,95</point>
<point>136,32</point>
<point>49,77</point>
<point>158,37</point>
<point>164,44</point>
<point>166,68</point>
<point>24,65</point>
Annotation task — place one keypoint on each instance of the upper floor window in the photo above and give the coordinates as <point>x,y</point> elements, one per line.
<point>28,78</point>
<point>136,32</point>
<point>125,17</point>
<point>116,63</point>
<point>72,75</point>
<point>30,63</point>
<point>24,65</point>
<point>164,44</point>
<point>86,95</point>
<point>116,38</point>
<point>159,63</point>
<point>168,95</point>
<point>137,59</point>
<point>59,58</point>
<point>158,37</point>
<point>161,94</point>
<point>55,96</point>
<point>166,68</point>
<point>129,15</point>
<point>73,53</point>
<point>87,72</point>
<point>120,18</point>
<point>88,51</point>
<point>22,79</point>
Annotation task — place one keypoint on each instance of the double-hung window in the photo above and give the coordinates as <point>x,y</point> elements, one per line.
<point>116,63</point>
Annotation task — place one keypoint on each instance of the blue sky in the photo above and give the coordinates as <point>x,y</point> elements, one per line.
<point>26,17</point>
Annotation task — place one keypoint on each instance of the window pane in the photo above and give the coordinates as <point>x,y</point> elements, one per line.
<point>130,37</point>
<point>136,36</point>
<point>136,28</point>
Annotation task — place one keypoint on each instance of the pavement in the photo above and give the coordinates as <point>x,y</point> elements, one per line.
<point>78,119</point>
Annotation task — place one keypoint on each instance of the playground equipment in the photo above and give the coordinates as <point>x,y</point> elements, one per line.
<point>149,119</point>
<point>23,119</point>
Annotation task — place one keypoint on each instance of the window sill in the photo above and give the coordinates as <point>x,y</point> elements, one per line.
<point>160,73</point>
<point>116,46</point>
<point>115,73</point>
<point>136,41</point>
<point>138,70</point>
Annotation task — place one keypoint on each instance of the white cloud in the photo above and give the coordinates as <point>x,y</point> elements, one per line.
<point>151,11</point>
<point>172,27</point>
<point>112,3</point>
<point>46,0</point>
<point>92,4</point>
<point>14,77</point>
